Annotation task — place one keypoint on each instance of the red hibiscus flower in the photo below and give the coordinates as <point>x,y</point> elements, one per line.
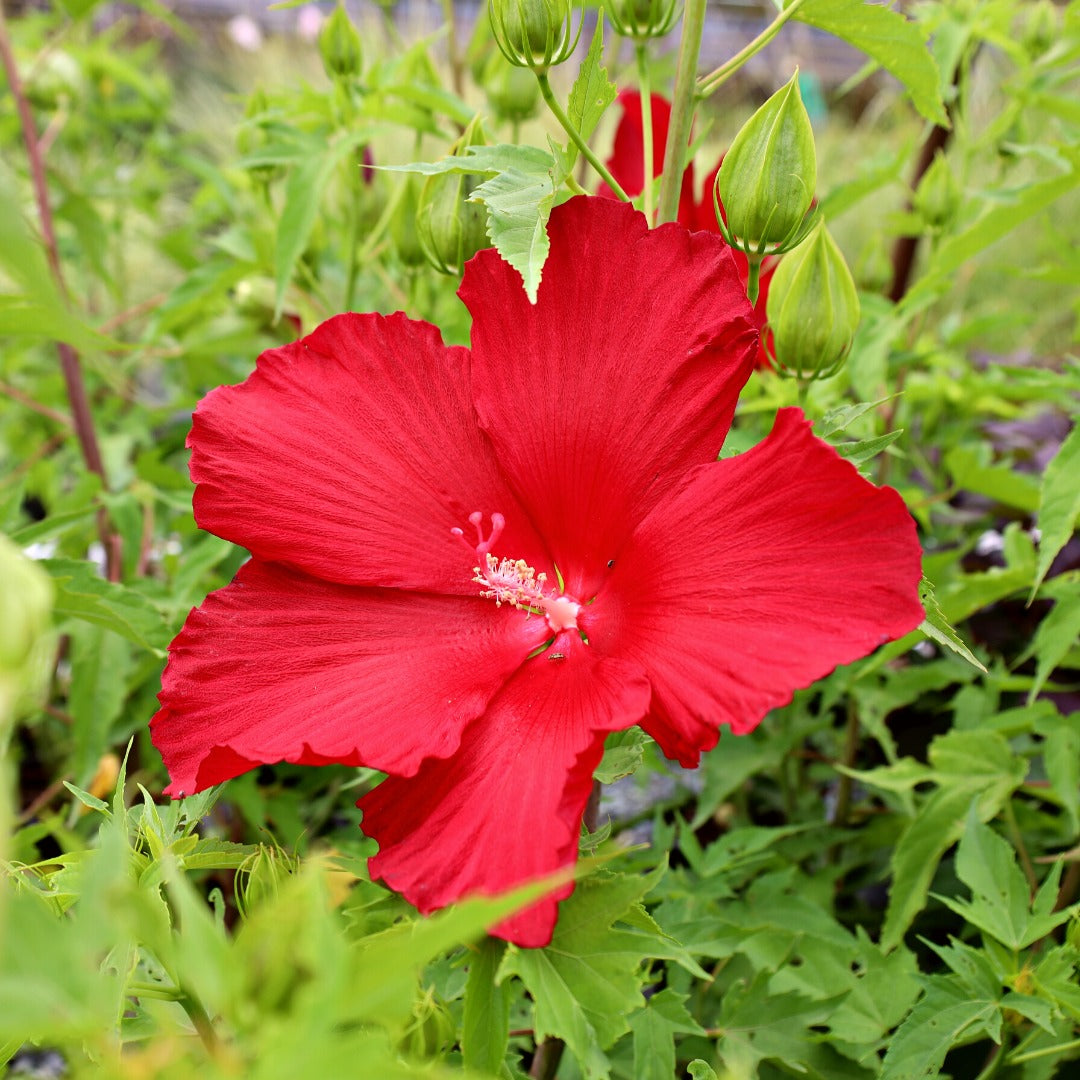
<point>470,565</point>
<point>627,165</point>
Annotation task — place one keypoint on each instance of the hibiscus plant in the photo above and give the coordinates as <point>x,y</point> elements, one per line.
<point>537,541</point>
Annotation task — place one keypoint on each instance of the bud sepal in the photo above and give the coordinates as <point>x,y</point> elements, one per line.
<point>536,34</point>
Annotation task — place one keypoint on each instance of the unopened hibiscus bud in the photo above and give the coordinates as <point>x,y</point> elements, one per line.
<point>642,19</point>
<point>451,230</point>
<point>938,194</point>
<point>512,91</point>
<point>25,605</point>
<point>813,308</point>
<point>533,33</point>
<point>767,179</point>
<point>1041,27</point>
<point>403,225</point>
<point>339,45</point>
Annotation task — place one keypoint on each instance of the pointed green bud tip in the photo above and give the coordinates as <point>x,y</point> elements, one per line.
<point>813,308</point>
<point>642,19</point>
<point>450,228</point>
<point>767,179</point>
<point>938,195</point>
<point>339,45</point>
<point>25,632</point>
<point>533,33</point>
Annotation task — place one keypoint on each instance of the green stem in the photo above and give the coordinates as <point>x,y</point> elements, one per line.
<point>682,111</point>
<point>707,84</point>
<point>1046,1051</point>
<point>753,277</point>
<point>1017,837</point>
<point>575,136</point>
<point>200,1021</point>
<point>457,74</point>
<point>646,129</point>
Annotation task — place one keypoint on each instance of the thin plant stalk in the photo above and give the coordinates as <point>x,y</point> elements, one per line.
<point>682,110</point>
<point>708,84</point>
<point>575,136</point>
<point>645,90</point>
<point>70,366</point>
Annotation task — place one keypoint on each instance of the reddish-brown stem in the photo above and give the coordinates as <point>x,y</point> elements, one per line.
<point>82,418</point>
<point>22,398</point>
<point>903,253</point>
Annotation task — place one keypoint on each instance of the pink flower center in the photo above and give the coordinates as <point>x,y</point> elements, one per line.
<point>513,581</point>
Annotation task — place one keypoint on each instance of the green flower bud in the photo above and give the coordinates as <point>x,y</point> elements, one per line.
<point>339,45</point>
<point>938,194</point>
<point>642,19</point>
<point>813,308</point>
<point>451,230</point>
<point>56,79</point>
<point>766,182</point>
<point>403,225</point>
<point>512,92</point>
<point>533,33</point>
<point>1041,28</point>
<point>25,634</point>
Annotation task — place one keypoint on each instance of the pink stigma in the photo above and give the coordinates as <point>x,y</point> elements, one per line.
<point>513,581</point>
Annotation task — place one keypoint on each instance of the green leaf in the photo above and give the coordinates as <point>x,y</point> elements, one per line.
<point>100,664</point>
<point>519,198</point>
<point>886,36</point>
<point>994,224</point>
<point>623,752</point>
<point>303,195</point>
<point>999,904</point>
<point>593,91</point>
<point>936,627</point>
<point>997,482</point>
<point>485,1023</point>
<point>945,1014</point>
<point>82,594</point>
<point>91,802</point>
<point>858,453</point>
<point>1057,635</point>
<point>700,1070</point>
<point>966,765</point>
<point>1061,759</point>
<point>838,419</point>
<point>655,1028</point>
<point>1059,503</point>
<point>587,982</point>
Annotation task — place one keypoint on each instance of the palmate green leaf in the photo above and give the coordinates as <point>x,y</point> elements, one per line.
<point>889,38</point>
<point>1000,905</point>
<point>1059,503</point>
<point>936,627</point>
<point>519,199</point>
<point>587,982</point>
<point>966,765</point>
<point>655,1027</point>
<point>82,594</point>
<point>946,1014</point>
<point>758,1023</point>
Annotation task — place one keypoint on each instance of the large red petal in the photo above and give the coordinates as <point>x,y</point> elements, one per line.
<point>278,666</point>
<point>758,575</point>
<point>507,807</point>
<point>351,454</point>
<point>622,375</point>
